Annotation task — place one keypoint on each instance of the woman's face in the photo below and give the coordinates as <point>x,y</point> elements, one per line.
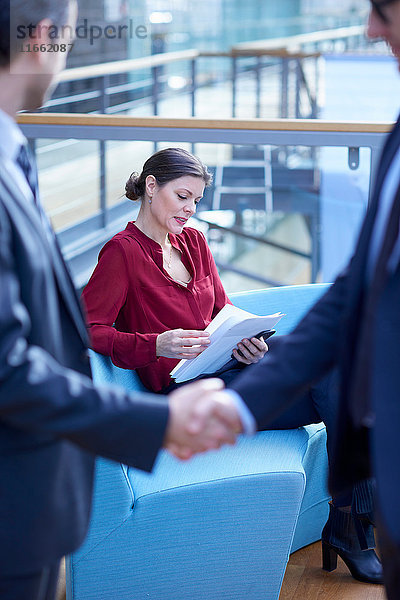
<point>173,203</point>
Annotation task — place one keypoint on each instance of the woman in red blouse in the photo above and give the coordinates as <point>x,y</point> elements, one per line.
<point>156,287</point>
<point>154,291</point>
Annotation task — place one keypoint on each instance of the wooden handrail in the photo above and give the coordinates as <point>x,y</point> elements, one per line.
<point>214,54</point>
<point>279,52</point>
<point>295,41</point>
<point>316,125</point>
<point>124,66</point>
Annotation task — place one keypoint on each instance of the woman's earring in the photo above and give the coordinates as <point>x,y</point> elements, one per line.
<point>150,200</point>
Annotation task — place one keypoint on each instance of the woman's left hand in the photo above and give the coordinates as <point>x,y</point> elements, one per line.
<point>253,350</point>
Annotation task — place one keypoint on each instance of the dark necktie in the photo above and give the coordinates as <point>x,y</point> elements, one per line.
<point>25,161</point>
<point>360,408</point>
<point>28,166</point>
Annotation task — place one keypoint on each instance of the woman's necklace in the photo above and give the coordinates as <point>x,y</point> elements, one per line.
<point>170,256</point>
<point>178,271</point>
<point>167,262</point>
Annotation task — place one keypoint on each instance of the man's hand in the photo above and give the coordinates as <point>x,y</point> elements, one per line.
<point>201,418</point>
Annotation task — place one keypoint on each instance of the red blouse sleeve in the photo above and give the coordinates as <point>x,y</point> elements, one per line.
<point>103,297</point>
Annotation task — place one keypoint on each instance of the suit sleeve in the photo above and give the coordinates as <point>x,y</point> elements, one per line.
<point>43,398</point>
<point>103,297</point>
<point>295,361</point>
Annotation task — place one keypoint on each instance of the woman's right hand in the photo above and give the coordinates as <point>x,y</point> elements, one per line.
<point>182,343</point>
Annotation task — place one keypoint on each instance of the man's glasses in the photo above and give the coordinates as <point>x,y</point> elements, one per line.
<point>379,5</point>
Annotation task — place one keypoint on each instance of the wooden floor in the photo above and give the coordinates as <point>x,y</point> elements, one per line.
<point>305,580</point>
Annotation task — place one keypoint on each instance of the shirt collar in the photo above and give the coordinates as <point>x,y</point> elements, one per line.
<point>131,227</point>
<point>11,136</point>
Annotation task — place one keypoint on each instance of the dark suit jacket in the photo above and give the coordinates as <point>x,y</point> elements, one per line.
<point>327,338</point>
<point>52,418</point>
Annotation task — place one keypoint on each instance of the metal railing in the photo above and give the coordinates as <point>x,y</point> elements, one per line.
<point>280,133</point>
<point>289,55</point>
<point>292,52</point>
<point>105,71</point>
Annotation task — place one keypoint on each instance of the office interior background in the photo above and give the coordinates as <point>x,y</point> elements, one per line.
<point>279,212</point>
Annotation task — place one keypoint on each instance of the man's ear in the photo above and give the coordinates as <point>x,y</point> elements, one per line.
<point>38,42</point>
<point>32,55</point>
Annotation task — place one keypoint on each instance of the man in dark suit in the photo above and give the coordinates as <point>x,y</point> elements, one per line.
<point>355,327</point>
<point>53,420</point>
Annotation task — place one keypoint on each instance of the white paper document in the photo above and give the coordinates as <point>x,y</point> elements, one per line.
<point>229,327</point>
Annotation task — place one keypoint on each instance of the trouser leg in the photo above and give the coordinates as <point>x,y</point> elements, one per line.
<point>41,585</point>
<point>352,530</point>
<point>227,375</point>
<point>318,404</point>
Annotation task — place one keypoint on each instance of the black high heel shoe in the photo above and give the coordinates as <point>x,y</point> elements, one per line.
<point>364,565</point>
<point>340,538</point>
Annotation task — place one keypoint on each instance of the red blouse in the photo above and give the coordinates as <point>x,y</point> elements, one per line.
<point>130,299</point>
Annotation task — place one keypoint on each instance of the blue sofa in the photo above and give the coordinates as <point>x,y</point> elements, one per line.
<point>220,526</point>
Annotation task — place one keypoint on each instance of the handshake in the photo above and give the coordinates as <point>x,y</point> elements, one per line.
<point>201,418</point>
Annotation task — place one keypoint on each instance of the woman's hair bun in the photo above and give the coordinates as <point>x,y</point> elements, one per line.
<point>164,166</point>
<point>134,187</point>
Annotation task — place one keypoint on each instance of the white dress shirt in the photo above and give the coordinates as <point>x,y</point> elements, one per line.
<point>248,421</point>
<point>11,140</point>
